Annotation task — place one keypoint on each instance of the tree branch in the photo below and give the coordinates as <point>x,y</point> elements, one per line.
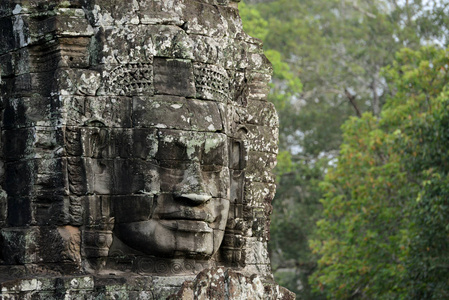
<point>351,99</point>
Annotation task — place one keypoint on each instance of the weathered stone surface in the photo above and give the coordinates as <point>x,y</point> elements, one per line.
<point>96,111</point>
<point>258,165</point>
<point>137,149</point>
<point>220,283</point>
<point>176,113</point>
<point>173,77</point>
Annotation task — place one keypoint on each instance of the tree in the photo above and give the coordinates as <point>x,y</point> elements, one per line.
<point>338,49</point>
<point>421,81</point>
<point>384,226</point>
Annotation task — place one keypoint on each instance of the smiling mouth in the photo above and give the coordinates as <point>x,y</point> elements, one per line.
<point>187,225</point>
<point>188,215</point>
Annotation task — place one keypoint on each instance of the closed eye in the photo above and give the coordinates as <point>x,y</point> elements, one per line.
<point>211,168</point>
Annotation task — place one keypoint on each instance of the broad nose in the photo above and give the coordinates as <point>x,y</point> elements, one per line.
<point>193,186</point>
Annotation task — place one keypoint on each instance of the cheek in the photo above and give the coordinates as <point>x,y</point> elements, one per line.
<point>169,180</point>
<point>220,209</point>
<point>151,177</point>
<point>218,183</point>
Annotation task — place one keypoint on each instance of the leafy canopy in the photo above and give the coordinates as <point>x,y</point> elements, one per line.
<point>386,216</point>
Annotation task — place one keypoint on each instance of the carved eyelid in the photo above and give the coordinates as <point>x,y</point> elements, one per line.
<point>165,165</point>
<point>212,168</point>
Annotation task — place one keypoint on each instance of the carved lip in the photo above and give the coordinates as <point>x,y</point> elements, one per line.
<point>187,225</point>
<point>200,198</point>
<point>189,215</point>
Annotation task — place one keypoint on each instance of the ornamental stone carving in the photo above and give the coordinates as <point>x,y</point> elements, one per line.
<point>136,151</point>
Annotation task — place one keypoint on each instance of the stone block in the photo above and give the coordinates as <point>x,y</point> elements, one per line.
<point>99,175</point>
<point>261,113</point>
<point>211,82</point>
<point>231,15</point>
<point>176,113</point>
<point>71,52</point>
<point>170,42</point>
<point>25,85</point>
<point>96,111</point>
<point>129,79</point>
<point>19,177</point>
<point>260,63</point>
<point>213,119</point>
<point>74,210</point>
<point>206,49</point>
<point>50,179</point>
<point>258,88</point>
<point>204,19</point>
<point>48,209</point>
<point>47,139</point>
<point>259,223</point>
<point>161,12</point>
<point>76,177</point>
<point>113,176</point>
<point>14,31</point>
<point>77,82</point>
<point>20,245</point>
<point>109,143</point>
<point>257,193</point>
<point>71,22</point>
<point>65,241</point>
<point>255,252</point>
<point>59,23</point>
<point>116,12</point>
<point>20,144</point>
<point>133,208</point>
<point>97,142</point>
<point>260,138</point>
<point>161,41</point>
<point>173,77</point>
<point>20,211</point>
<point>27,112</point>
<point>260,166</point>
<point>145,143</point>
<point>162,111</point>
<point>15,62</point>
<point>97,210</point>
<point>235,54</point>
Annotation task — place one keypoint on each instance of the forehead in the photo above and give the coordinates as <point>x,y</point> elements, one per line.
<point>179,144</point>
<point>171,112</point>
<point>148,143</point>
<point>190,139</point>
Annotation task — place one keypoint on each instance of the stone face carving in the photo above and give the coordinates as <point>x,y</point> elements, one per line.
<point>136,143</point>
<point>186,210</point>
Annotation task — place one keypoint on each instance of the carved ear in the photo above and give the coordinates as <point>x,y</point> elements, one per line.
<point>233,242</point>
<point>238,153</point>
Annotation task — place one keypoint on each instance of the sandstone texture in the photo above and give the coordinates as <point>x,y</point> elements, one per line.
<point>137,149</point>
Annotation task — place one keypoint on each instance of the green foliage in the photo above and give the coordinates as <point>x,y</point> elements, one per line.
<point>337,49</point>
<point>428,259</point>
<point>253,23</point>
<point>385,219</point>
<point>292,222</point>
<point>424,141</point>
<point>360,232</point>
<point>282,71</point>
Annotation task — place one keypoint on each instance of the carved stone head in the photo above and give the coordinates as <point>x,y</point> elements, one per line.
<point>150,146</point>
